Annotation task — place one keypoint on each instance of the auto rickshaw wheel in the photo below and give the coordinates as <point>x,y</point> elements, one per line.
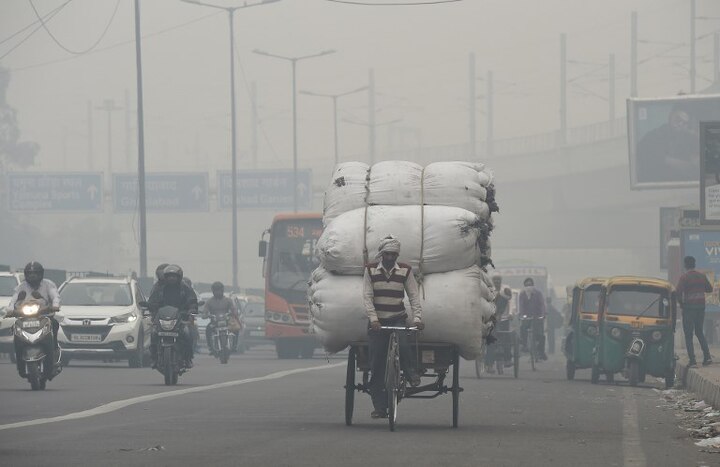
<point>595,375</point>
<point>633,372</point>
<point>670,379</point>
<point>570,370</point>
<point>610,377</point>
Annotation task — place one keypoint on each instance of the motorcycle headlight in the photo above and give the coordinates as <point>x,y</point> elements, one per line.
<point>168,325</point>
<point>30,309</point>
<point>656,335</point>
<point>126,318</point>
<point>616,333</point>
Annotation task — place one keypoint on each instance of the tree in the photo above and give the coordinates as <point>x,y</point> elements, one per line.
<point>13,152</point>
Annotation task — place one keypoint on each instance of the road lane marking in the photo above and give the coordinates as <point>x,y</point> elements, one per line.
<point>633,454</point>
<point>121,404</point>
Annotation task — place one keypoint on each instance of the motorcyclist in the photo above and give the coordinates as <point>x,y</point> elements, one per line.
<point>160,276</point>
<point>218,305</point>
<point>36,285</point>
<point>194,333</point>
<point>173,292</point>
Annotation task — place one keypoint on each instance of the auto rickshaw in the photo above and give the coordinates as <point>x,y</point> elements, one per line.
<point>637,329</point>
<point>581,337</point>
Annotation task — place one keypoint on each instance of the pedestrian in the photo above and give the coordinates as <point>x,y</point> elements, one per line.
<point>554,322</point>
<point>691,290</point>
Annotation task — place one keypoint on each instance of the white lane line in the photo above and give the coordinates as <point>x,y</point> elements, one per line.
<point>121,404</point>
<point>633,454</point>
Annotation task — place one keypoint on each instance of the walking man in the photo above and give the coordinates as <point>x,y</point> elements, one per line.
<point>691,290</point>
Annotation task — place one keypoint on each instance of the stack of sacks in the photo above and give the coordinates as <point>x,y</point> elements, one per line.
<point>442,216</point>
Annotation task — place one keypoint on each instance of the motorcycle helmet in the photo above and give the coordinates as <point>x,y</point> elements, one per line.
<point>160,271</point>
<point>34,273</point>
<point>173,269</point>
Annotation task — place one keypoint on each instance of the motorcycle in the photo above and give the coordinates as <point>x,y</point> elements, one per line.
<point>223,340</point>
<point>172,337</point>
<point>34,341</point>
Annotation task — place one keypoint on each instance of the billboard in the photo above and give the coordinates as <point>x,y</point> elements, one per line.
<point>669,221</point>
<point>704,245</point>
<point>664,139</point>
<point>710,172</point>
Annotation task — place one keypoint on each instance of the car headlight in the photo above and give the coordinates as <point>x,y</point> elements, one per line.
<point>616,333</point>
<point>656,335</point>
<point>30,309</point>
<point>126,318</point>
<point>168,325</point>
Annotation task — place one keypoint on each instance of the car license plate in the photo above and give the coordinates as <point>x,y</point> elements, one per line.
<point>31,323</point>
<point>257,333</point>
<point>167,334</point>
<point>86,338</point>
<point>428,356</point>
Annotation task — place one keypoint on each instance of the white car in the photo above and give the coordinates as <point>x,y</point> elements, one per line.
<point>100,319</point>
<point>8,282</point>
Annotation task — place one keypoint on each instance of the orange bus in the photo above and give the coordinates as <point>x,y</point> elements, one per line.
<point>287,249</point>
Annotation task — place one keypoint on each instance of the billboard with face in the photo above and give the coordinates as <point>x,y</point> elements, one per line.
<point>664,139</point>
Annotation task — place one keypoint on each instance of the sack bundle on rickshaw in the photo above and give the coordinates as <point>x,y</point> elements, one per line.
<point>442,216</point>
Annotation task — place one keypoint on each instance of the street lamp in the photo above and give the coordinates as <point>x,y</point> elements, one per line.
<point>233,122</point>
<point>334,98</point>
<point>293,61</point>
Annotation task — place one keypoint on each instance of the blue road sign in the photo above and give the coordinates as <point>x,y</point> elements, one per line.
<point>265,189</point>
<point>165,192</point>
<point>54,191</point>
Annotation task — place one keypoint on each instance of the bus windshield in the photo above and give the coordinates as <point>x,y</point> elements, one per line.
<point>292,255</point>
<point>636,301</point>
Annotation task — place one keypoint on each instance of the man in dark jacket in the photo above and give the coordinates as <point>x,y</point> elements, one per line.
<point>691,290</point>
<point>532,312</point>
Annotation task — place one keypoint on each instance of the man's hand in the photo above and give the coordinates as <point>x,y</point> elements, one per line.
<point>375,325</point>
<point>420,325</point>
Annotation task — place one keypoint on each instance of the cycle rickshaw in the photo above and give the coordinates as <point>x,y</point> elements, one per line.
<point>435,361</point>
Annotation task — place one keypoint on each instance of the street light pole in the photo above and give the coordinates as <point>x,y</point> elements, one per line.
<point>293,61</point>
<point>335,98</point>
<point>233,126</point>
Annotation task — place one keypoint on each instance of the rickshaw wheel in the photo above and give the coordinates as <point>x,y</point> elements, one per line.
<point>478,367</point>
<point>350,388</point>
<point>634,372</point>
<point>392,380</point>
<point>456,389</point>
<point>570,370</point>
<point>595,375</point>
<point>516,355</point>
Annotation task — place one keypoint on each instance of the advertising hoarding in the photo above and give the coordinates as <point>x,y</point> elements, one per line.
<point>710,172</point>
<point>704,245</point>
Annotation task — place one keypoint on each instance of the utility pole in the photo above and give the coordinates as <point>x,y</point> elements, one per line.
<point>611,88</point>
<point>254,121</point>
<point>490,115</point>
<point>633,54</point>
<point>371,115</point>
<point>563,89</point>
<point>141,144</point>
<point>692,46</point>
<point>128,132</point>
<point>472,116</point>
<point>90,134</point>
<point>716,58</point>
<point>109,107</point>
<point>293,61</point>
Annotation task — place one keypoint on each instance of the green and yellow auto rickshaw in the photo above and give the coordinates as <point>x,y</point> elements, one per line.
<point>636,329</point>
<point>582,330</point>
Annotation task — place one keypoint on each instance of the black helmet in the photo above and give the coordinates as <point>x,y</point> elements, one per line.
<point>34,273</point>
<point>160,271</point>
<point>217,286</point>
<point>529,282</point>
<point>173,269</point>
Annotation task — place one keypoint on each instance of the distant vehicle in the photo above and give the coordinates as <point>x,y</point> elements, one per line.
<point>252,312</point>
<point>514,276</point>
<point>8,282</point>
<point>100,319</point>
<point>200,321</point>
<point>288,263</point>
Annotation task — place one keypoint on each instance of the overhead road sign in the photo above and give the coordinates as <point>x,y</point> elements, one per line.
<point>265,189</point>
<point>165,192</point>
<point>54,191</point>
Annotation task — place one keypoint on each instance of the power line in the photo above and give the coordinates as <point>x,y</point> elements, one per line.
<point>52,12</point>
<point>75,52</point>
<point>429,2</point>
<point>49,17</point>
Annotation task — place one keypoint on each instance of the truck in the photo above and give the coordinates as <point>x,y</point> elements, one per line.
<point>287,249</point>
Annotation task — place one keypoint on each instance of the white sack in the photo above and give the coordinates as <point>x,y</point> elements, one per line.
<point>453,238</point>
<point>454,310</point>
<point>402,183</point>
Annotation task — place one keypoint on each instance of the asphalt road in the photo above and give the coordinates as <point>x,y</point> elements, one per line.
<point>258,410</point>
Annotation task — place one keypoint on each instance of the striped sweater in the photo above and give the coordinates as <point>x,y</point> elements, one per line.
<point>385,290</point>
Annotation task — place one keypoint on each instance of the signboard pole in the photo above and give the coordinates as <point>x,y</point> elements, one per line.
<point>141,145</point>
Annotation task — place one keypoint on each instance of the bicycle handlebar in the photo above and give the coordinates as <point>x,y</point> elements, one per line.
<point>400,328</point>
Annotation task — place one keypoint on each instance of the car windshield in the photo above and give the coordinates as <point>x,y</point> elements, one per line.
<point>83,294</point>
<point>637,300</point>
<point>7,286</point>
<point>590,299</point>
